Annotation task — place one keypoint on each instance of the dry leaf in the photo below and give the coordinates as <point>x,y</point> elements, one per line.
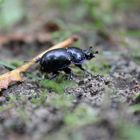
<point>25,38</point>
<point>15,75</point>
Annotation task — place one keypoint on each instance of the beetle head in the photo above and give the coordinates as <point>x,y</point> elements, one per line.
<point>89,53</point>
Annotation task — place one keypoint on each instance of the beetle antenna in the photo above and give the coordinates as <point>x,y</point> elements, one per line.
<point>90,48</point>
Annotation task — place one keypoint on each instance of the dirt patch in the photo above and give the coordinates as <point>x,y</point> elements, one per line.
<point>90,90</point>
<point>34,116</point>
<point>40,121</point>
<point>27,88</point>
<point>123,81</point>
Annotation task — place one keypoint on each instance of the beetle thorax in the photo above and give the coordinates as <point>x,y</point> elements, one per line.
<point>77,57</point>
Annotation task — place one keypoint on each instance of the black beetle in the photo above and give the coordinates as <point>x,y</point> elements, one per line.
<point>60,59</point>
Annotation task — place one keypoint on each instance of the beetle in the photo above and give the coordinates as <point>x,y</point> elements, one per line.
<point>60,59</point>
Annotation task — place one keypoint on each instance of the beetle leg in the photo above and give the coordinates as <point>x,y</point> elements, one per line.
<point>53,76</point>
<point>69,72</point>
<point>83,69</point>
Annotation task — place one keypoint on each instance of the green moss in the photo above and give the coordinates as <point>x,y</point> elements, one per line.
<point>129,131</point>
<point>7,65</point>
<point>56,86</point>
<point>17,63</point>
<point>62,102</point>
<point>99,66</point>
<point>83,115</point>
<point>41,100</point>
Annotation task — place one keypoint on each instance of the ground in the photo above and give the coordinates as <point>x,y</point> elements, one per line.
<point>104,106</point>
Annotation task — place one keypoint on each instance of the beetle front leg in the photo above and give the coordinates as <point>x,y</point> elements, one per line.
<point>83,69</point>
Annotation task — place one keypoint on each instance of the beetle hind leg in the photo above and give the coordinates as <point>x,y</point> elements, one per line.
<point>68,71</point>
<point>53,75</point>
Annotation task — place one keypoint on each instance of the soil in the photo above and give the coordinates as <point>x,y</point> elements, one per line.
<point>117,89</point>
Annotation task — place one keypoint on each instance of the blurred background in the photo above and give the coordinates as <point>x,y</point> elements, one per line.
<point>97,13</point>
<point>98,22</point>
<point>111,25</point>
<point>71,16</point>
